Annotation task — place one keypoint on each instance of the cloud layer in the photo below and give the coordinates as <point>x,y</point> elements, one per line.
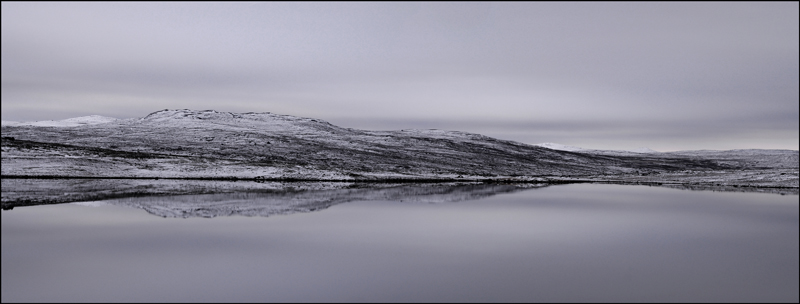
<point>669,76</point>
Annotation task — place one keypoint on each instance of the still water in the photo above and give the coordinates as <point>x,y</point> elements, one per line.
<point>561,243</point>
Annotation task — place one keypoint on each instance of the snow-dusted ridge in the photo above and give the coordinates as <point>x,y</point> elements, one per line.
<point>561,147</point>
<point>266,146</point>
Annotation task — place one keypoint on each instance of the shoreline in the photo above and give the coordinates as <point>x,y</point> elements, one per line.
<point>27,190</point>
<point>626,180</point>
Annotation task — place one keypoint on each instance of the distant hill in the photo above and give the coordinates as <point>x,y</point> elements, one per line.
<point>70,122</point>
<point>211,144</point>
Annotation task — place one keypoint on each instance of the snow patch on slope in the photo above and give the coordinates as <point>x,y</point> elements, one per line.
<point>9,123</point>
<point>69,122</point>
<point>560,147</point>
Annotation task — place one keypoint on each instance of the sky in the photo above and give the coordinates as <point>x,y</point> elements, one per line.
<point>603,75</point>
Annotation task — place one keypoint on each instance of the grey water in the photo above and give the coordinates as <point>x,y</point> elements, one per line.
<point>565,243</point>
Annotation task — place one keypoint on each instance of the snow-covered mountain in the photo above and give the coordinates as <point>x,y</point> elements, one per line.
<point>267,146</point>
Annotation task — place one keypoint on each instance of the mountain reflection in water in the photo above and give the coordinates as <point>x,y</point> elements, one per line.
<point>211,198</point>
<point>185,199</point>
<point>288,202</point>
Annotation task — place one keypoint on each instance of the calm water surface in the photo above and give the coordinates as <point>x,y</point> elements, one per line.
<point>559,243</point>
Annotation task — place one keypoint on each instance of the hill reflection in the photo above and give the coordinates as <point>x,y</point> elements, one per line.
<point>182,198</point>
<point>207,198</point>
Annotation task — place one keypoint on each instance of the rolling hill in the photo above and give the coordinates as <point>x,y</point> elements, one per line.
<point>265,146</point>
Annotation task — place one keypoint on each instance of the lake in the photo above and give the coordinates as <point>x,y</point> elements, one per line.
<point>559,243</point>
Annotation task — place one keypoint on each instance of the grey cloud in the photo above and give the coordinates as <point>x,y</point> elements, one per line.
<point>574,63</point>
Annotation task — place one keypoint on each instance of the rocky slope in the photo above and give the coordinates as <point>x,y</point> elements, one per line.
<point>266,146</point>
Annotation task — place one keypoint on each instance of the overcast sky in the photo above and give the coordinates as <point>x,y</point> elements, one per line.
<point>668,76</point>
